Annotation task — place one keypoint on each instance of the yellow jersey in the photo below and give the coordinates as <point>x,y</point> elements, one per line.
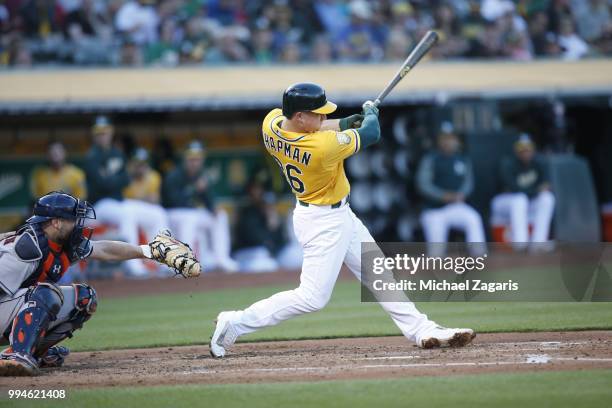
<point>69,179</point>
<point>312,163</point>
<point>146,189</point>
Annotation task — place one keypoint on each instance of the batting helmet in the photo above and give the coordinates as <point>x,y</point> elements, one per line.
<point>306,97</point>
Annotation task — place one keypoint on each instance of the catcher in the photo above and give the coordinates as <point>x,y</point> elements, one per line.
<point>35,313</point>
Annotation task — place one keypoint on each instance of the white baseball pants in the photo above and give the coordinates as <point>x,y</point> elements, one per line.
<point>129,216</point>
<point>204,230</point>
<point>517,210</point>
<point>329,237</point>
<point>437,221</point>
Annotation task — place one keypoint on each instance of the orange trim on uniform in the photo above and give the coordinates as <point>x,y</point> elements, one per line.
<point>55,247</point>
<point>65,263</point>
<point>50,260</point>
<point>46,266</point>
<point>27,318</point>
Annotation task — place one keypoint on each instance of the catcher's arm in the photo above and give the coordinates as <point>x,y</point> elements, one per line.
<point>115,251</point>
<point>164,248</point>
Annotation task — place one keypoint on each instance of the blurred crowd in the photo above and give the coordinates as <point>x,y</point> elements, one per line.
<point>133,201</point>
<point>195,32</point>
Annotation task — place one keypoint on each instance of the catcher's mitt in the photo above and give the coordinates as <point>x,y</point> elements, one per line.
<point>176,254</point>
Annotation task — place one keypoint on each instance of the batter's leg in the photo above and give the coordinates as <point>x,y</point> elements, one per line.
<point>325,236</point>
<point>405,315</point>
<point>323,256</point>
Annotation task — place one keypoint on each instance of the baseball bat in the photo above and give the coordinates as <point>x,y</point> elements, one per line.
<point>422,48</point>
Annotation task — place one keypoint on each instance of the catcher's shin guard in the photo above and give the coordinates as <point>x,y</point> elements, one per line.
<point>43,302</point>
<point>85,304</point>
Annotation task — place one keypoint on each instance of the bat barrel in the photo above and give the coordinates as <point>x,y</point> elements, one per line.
<point>415,56</point>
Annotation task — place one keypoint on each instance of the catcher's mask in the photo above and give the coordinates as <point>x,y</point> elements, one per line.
<point>58,204</point>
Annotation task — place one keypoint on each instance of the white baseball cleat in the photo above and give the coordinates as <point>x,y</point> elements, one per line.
<point>442,337</point>
<point>224,335</point>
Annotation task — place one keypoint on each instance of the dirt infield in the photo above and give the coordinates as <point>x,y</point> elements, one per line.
<point>312,360</point>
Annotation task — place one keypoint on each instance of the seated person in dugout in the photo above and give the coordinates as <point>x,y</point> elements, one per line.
<point>263,241</point>
<point>107,176</point>
<point>58,175</point>
<point>445,180</point>
<point>526,196</point>
<point>142,197</point>
<point>187,195</point>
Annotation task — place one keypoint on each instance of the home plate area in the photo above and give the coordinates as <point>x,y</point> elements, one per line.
<point>311,360</point>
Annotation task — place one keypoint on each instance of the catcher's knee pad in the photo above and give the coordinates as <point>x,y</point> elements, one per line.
<point>85,299</point>
<point>42,303</point>
<point>85,305</point>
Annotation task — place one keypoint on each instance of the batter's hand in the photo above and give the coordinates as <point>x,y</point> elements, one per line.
<point>176,254</point>
<point>350,122</point>
<point>369,108</point>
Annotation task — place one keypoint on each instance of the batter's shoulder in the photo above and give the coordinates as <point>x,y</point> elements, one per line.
<point>334,139</point>
<point>330,135</point>
<point>273,114</point>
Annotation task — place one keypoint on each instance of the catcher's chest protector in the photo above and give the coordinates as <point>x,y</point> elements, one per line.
<point>53,264</point>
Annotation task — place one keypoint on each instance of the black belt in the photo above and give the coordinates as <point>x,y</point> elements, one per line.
<point>333,206</point>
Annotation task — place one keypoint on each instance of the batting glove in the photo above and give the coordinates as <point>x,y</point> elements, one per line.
<point>369,108</point>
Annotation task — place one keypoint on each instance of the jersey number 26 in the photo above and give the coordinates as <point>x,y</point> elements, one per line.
<point>290,171</point>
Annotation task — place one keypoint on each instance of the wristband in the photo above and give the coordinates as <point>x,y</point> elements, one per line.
<point>146,251</point>
<point>343,124</point>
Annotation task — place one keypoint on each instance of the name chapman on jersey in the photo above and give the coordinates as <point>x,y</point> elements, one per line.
<point>476,285</point>
<point>287,149</point>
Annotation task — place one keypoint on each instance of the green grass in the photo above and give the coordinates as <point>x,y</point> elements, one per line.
<point>535,389</point>
<point>182,319</point>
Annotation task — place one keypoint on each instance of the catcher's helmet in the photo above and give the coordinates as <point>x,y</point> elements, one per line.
<point>306,97</point>
<point>57,204</point>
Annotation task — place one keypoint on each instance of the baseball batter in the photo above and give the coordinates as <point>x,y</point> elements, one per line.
<point>310,151</point>
<point>35,313</point>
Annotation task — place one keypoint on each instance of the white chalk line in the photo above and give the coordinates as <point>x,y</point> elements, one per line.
<point>582,359</point>
<point>390,358</point>
<point>531,360</point>
<point>540,343</point>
